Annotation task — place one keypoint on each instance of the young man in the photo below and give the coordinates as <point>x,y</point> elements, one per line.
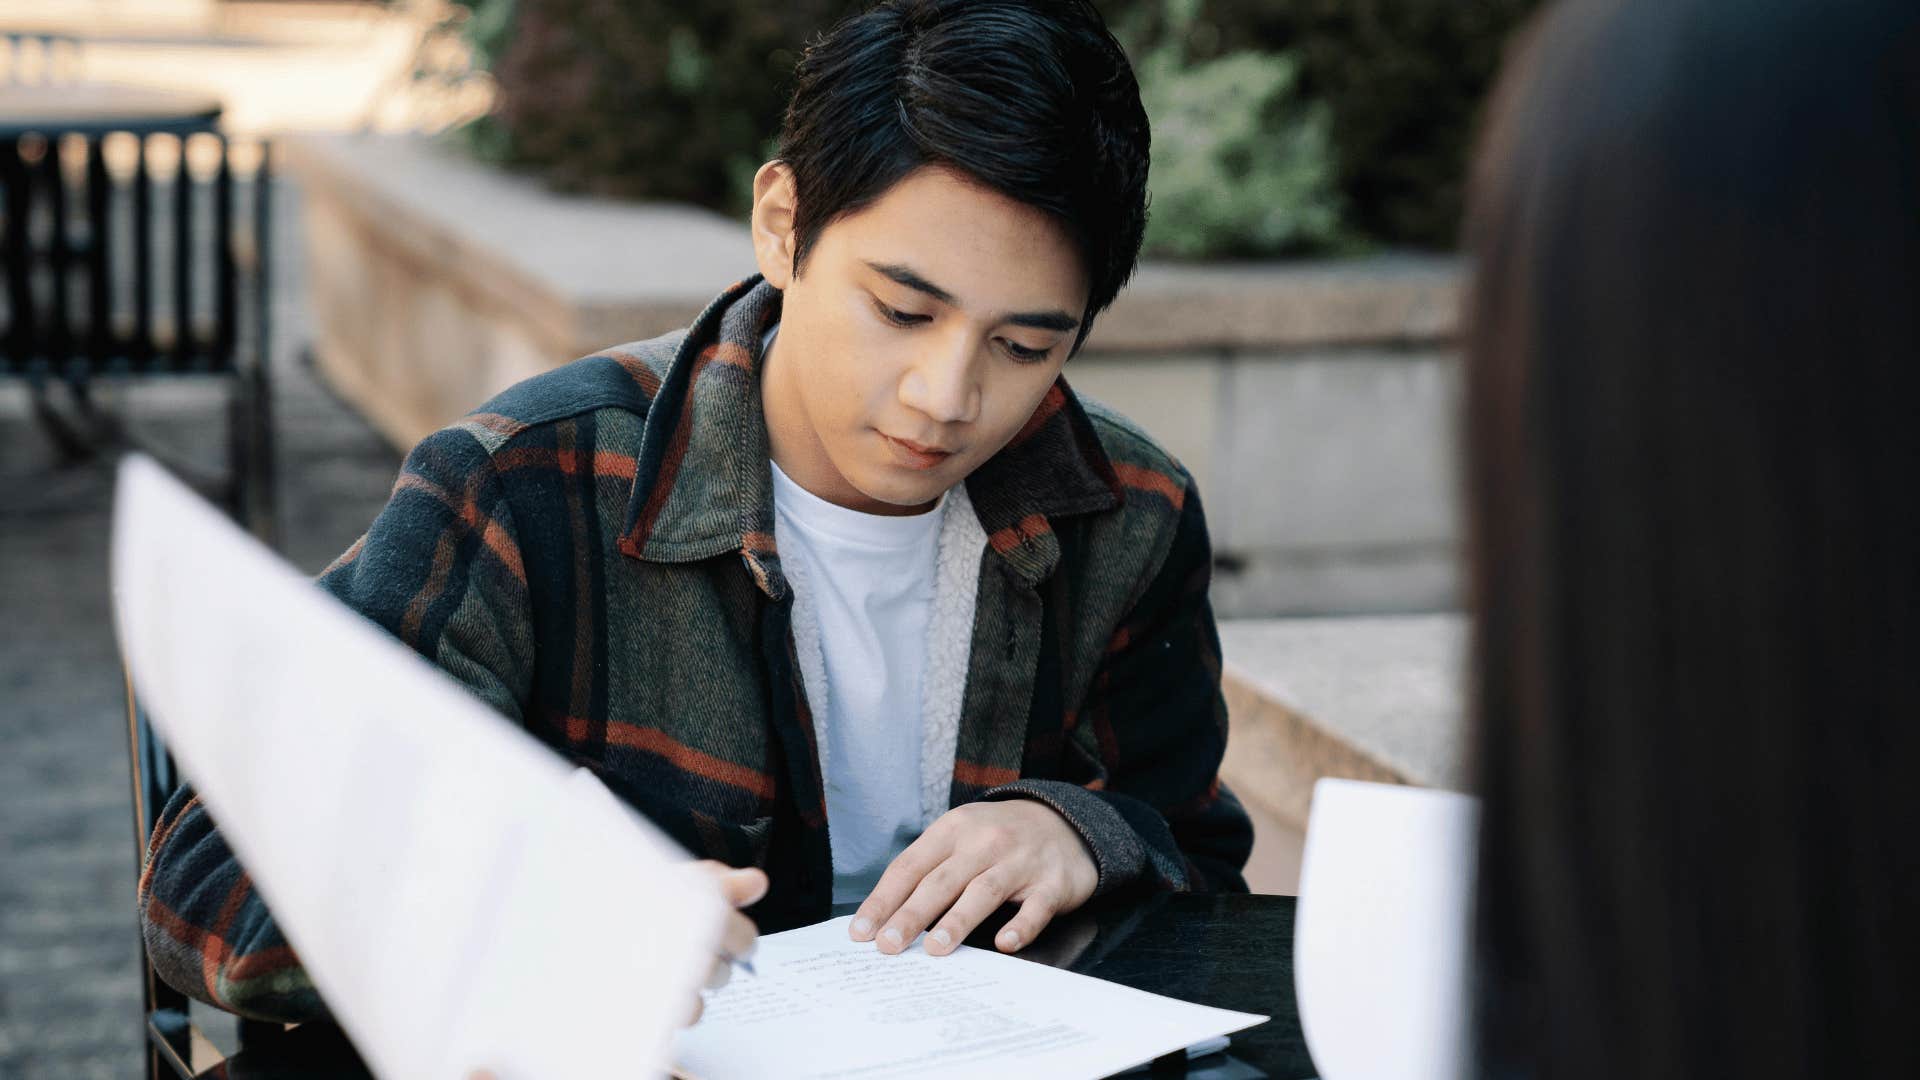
<point>841,582</point>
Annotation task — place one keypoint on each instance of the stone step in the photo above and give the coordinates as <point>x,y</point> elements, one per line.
<point>1366,698</point>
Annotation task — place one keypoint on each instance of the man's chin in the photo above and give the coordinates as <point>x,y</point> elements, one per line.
<point>903,497</point>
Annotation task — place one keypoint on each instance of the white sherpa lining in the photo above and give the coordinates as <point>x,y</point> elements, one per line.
<point>956,592</point>
<point>806,645</point>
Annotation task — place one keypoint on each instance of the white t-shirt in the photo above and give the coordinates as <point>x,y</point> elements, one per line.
<point>868,582</point>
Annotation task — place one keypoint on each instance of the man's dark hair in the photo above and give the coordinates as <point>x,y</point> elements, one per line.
<point>1693,358</point>
<point>1031,98</point>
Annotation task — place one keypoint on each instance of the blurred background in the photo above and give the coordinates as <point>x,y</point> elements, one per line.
<point>277,241</point>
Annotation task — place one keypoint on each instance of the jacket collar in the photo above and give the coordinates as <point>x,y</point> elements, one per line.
<point>702,485</point>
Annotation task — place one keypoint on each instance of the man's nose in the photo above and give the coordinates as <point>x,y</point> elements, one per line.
<point>943,383</point>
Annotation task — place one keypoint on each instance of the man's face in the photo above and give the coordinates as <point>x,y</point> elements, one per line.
<point>919,338</point>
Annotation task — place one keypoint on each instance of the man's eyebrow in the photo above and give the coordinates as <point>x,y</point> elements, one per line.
<point>1038,320</point>
<point>906,276</point>
<point>1046,320</point>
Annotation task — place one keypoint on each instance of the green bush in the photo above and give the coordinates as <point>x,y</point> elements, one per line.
<point>643,98</point>
<point>1402,80</point>
<point>1279,125</point>
<point>1240,166</point>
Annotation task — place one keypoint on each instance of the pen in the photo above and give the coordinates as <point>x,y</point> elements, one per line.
<point>742,963</point>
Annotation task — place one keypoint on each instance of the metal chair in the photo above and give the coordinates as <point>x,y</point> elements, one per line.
<point>168,1026</point>
<point>115,270</point>
<point>176,1047</point>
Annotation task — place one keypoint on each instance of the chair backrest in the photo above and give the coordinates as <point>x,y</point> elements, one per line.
<point>124,253</point>
<point>173,1040</point>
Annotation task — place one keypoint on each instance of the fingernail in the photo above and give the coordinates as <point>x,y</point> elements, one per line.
<point>1009,939</point>
<point>891,935</point>
<point>863,928</point>
<point>940,938</point>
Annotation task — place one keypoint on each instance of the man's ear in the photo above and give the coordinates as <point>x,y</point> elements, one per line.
<point>774,205</point>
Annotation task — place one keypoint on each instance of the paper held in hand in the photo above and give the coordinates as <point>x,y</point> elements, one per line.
<point>461,898</point>
<point>1380,936</point>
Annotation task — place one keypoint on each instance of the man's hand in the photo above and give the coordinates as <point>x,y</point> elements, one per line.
<point>969,862</point>
<point>742,888</point>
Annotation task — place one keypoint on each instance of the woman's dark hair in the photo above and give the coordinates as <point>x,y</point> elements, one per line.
<point>1032,98</point>
<point>1693,462</point>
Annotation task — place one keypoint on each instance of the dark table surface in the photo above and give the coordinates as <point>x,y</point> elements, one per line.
<point>99,108</point>
<point>1232,952</point>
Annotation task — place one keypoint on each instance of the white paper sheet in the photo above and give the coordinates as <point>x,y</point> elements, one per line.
<point>824,1006</point>
<point>461,897</point>
<point>1380,936</point>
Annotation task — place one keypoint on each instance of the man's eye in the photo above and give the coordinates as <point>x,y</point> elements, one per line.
<point>1023,354</point>
<point>900,318</point>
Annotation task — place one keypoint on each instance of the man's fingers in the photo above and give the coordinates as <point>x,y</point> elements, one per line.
<point>935,894</point>
<point>736,943</point>
<point>1033,917</point>
<point>902,876</point>
<point>981,898</point>
<point>738,937</point>
<point>744,888</point>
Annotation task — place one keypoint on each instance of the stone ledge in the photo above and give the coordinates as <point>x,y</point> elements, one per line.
<point>594,271</point>
<point>1377,300</point>
<point>1372,698</point>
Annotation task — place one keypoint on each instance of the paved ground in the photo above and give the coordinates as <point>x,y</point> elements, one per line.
<point>69,999</point>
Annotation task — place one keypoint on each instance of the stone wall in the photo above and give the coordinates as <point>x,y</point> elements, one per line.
<point>1313,401</point>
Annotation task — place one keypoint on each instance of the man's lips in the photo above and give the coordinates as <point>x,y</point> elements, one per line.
<point>916,455</point>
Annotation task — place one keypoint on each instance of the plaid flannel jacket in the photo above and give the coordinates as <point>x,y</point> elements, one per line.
<point>592,554</point>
